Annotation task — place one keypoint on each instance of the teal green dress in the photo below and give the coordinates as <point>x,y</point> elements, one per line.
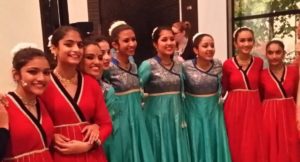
<point>205,119</point>
<point>129,141</point>
<point>163,109</point>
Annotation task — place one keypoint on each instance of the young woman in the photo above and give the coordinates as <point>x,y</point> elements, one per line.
<point>103,43</point>
<point>130,140</point>
<point>184,45</point>
<point>161,79</point>
<point>96,60</point>
<point>205,120</point>
<point>30,127</point>
<point>242,108</point>
<point>75,103</point>
<point>279,90</point>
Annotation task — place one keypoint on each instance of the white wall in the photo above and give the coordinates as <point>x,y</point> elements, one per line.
<point>20,22</point>
<point>212,16</point>
<point>78,11</point>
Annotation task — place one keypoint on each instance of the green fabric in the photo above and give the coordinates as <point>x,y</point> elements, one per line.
<point>206,129</point>
<point>165,123</point>
<point>129,141</point>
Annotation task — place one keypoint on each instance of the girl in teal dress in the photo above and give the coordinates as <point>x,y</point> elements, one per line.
<point>130,140</point>
<point>161,80</point>
<point>205,119</point>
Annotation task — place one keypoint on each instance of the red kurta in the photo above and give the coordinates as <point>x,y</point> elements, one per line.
<point>29,136</point>
<point>280,136</point>
<point>70,115</point>
<point>242,109</point>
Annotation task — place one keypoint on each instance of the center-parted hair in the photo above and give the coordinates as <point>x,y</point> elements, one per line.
<point>60,32</point>
<point>237,32</point>
<point>278,42</point>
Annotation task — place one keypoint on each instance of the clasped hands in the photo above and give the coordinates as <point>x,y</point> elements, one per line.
<point>67,146</point>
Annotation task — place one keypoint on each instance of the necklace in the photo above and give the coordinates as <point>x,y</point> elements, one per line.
<point>124,65</point>
<point>29,103</point>
<point>167,64</point>
<point>65,81</point>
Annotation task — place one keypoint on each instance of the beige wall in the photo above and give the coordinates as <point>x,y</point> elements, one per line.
<point>78,11</point>
<point>213,20</point>
<point>20,22</point>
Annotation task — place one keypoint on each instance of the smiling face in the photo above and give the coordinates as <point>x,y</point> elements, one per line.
<point>33,77</point>
<point>105,49</point>
<point>69,49</point>
<point>275,54</point>
<point>244,42</point>
<point>92,61</point>
<point>165,44</point>
<point>205,49</point>
<point>126,43</point>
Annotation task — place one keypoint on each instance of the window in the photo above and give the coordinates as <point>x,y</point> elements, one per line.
<point>269,19</point>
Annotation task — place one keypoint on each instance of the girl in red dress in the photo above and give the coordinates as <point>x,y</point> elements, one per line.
<point>279,90</point>
<point>242,105</point>
<point>75,103</point>
<point>30,127</point>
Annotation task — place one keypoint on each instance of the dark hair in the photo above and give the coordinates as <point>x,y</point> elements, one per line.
<point>199,38</point>
<point>23,56</point>
<point>183,26</point>
<point>88,42</point>
<point>97,38</point>
<point>237,32</point>
<point>156,32</point>
<point>278,42</point>
<point>60,32</point>
<point>114,35</point>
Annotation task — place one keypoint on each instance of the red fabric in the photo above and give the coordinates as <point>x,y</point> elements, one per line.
<point>25,137</point>
<point>280,135</point>
<point>233,78</point>
<point>242,110</point>
<point>91,103</point>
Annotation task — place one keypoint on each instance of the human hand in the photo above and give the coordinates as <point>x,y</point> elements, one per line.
<point>73,147</point>
<point>3,117</point>
<point>3,100</point>
<point>60,140</point>
<point>91,133</point>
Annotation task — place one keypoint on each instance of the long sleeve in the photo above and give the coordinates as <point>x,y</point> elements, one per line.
<point>102,117</point>
<point>4,136</point>
<point>144,73</point>
<point>225,79</point>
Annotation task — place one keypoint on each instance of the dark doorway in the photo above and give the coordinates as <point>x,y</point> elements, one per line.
<point>143,16</point>
<point>189,10</point>
<point>54,13</point>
